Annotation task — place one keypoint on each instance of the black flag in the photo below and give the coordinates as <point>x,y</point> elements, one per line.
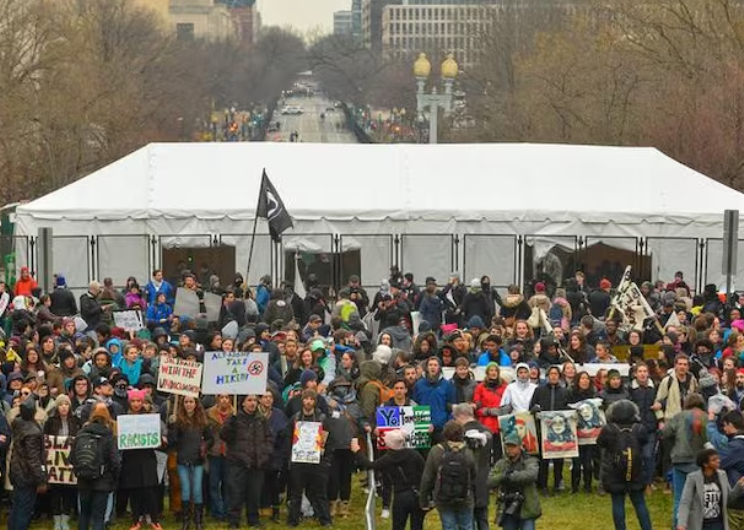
<point>271,208</point>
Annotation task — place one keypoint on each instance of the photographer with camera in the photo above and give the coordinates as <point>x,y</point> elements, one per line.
<point>515,475</point>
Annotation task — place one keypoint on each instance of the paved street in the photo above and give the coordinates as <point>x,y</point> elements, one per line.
<point>309,125</point>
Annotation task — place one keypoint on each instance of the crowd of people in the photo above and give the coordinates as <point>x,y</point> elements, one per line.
<point>670,389</point>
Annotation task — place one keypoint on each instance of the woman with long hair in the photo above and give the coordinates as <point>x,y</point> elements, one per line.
<point>578,349</point>
<point>32,363</point>
<point>523,336</point>
<point>581,390</point>
<point>139,474</point>
<point>189,434</point>
<point>63,423</point>
<point>94,492</point>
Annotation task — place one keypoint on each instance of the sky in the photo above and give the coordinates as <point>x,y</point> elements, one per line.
<point>304,15</point>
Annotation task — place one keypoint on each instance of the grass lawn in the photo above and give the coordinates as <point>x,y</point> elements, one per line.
<point>562,512</point>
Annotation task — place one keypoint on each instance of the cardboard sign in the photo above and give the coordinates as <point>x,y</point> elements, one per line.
<point>187,303</point>
<point>413,421</point>
<point>213,306</point>
<point>590,420</point>
<point>178,376</point>
<point>523,423</point>
<point>559,437</point>
<point>59,468</point>
<point>235,373</point>
<point>307,442</point>
<point>138,431</point>
<point>622,353</point>
<point>130,320</point>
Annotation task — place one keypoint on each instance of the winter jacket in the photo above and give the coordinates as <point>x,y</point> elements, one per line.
<point>405,467</point>
<point>613,480</point>
<point>431,308</point>
<point>53,426</point>
<point>282,437</point>
<point>249,440</point>
<point>215,420</point>
<point>187,441</point>
<point>519,395</point>
<point>599,303</point>
<point>540,300</point>
<point>278,309</point>
<point>427,492</point>
<point>90,310</point>
<point>643,397</point>
<point>158,314</point>
<point>110,478</point>
<point>480,441</point>
<point>691,504</point>
<point>612,395</point>
<point>439,395</point>
<point>550,397</point>
<point>731,451</point>
<point>63,302</point>
<point>27,460</point>
<point>58,377</point>
<point>477,304</point>
<point>166,288</point>
<point>487,399</point>
<point>515,308</point>
<point>688,432</point>
<point>519,476</point>
<point>134,300</point>
<point>139,468</point>
<point>262,298</point>
<point>369,390</point>
<point>670,396</point>
<point>464,389</point>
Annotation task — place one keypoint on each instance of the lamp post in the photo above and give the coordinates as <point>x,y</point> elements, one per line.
<point>434,101</point>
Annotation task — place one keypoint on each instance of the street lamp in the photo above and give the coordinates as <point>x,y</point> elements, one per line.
<point>434,101</point>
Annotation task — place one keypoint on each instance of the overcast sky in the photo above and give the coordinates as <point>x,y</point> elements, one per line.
<point>302,14</point>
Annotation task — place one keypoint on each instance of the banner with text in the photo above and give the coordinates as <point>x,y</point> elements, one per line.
<point>413,421</point>
<point>130,320</point>
<point>138,431</point>
<point>235,373</point>
<point>59,468</point>
<point>178,376</point>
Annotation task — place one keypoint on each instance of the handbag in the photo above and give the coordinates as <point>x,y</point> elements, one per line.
<point>535,318</point>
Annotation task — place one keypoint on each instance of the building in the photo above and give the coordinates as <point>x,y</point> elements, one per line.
<point>245,18</point>
<point>205,19</point>
<point>372,21</point>
<point>343,23</point>
<point>356,19</point>
<point>436,29</point>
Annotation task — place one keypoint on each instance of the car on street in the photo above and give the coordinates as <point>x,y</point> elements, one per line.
<point>291,110</point>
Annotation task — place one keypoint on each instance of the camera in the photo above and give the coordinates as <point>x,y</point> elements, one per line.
<point>510,502</point>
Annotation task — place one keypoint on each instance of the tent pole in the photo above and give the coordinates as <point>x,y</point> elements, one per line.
<point>250,252</point>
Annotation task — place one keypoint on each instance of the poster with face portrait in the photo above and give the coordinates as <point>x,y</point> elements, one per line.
<point>590,419</point>
<point>559,438</point>
<point>524,424</point>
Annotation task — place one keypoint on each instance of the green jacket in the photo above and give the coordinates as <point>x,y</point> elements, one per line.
<point>428,490</point>
<point>688,431</point>
<point>521,474</point>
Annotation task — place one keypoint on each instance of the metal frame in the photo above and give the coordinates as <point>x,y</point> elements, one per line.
<point>394,243</point>
<point>699,244</point>
<point>145,241</point>
<point>515,254</point>
<point>90,256</point>
<point>454,242</point>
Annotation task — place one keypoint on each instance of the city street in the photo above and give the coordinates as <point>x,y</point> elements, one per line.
<point>309,125</point>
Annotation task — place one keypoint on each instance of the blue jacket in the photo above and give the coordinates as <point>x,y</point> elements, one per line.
<point>731,451</point>
<point>431,310</point>
<point>158,312</point>
<point>165,287</point>
<point>504,359</point>
<point>262,298</point>
<point>439,395</point>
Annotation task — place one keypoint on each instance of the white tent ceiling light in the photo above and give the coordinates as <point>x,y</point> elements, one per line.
<point>180,190</point>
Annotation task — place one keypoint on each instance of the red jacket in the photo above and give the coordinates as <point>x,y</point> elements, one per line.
<point>486,398</point>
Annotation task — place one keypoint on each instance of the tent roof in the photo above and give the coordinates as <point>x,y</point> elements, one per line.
<point>466,182</point>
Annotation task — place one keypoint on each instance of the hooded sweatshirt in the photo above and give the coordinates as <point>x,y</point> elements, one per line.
<point>519,392</point>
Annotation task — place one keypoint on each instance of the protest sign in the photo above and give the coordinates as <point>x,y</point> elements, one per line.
<point>178,376</point>
<point>187,303</point>
<point>235,373</point>
<point>130,320</point>
<point>59,468</point>
<point>138,431</point>
<point>307,442</point>
<point>593,368</point>
<point>559,437</point>
<point>622,353</point>
<point>590,420</point>
<point>523,423</point>
<point>213,306</point>
<point>413,421</point>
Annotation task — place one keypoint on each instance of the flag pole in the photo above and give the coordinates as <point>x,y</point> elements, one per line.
<point>253,235</point>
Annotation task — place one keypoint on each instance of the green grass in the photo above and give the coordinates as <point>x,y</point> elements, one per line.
<point>561,512</point>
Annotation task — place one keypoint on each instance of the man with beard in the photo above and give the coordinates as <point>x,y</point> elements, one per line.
<point>436,392</point>
<point>286,361</point>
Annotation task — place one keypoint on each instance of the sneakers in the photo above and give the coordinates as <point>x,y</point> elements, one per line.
<point>385,513</point>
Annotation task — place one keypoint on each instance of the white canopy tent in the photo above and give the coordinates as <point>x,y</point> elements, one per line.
<point>189,193</point>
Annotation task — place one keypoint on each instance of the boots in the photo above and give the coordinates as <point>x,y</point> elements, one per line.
<point>343,509</point>
<point>199,516</point>
<point>187,516</point>
<point>275,514</point>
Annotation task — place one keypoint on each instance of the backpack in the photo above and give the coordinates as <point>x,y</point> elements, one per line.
<point>454,482</point>
<point>627,461</point>
<point>89,456</point>
<point>386,394</point>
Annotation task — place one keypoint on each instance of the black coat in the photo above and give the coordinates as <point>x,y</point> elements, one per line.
<point>482,455</point>
<point>63,303</point>
<point>249,440</point>
<point>644,398</point>
<point>139,469</point>
<point>612,480</point>
<point>90,310</point>
<point>477,304</point>
<point>405,468</point>
<point>110,477</point>
<point>53,425</point>
<point>187,442</point>
<point>27,460</point>
<point>599,303</point>
<point>550,397</point>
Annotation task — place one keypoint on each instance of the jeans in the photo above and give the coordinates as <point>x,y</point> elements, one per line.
<point>456,518</point>
<point>679,477</point>
<point>639,504</point>
<point>582,466</point>
<point>649,458</point>
<point>92,509</point>
<point>191,479</point>
<point>22,508</point>
<point>217,486</point>
<point>405,505</point>
<point>514,523</point>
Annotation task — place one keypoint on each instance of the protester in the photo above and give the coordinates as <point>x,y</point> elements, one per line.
<point>63,497</point>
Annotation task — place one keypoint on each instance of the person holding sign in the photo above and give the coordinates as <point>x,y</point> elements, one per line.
<point>249,445</point>
<point>140,474</point>
<point>191,437</point>
<point>63,495</point>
